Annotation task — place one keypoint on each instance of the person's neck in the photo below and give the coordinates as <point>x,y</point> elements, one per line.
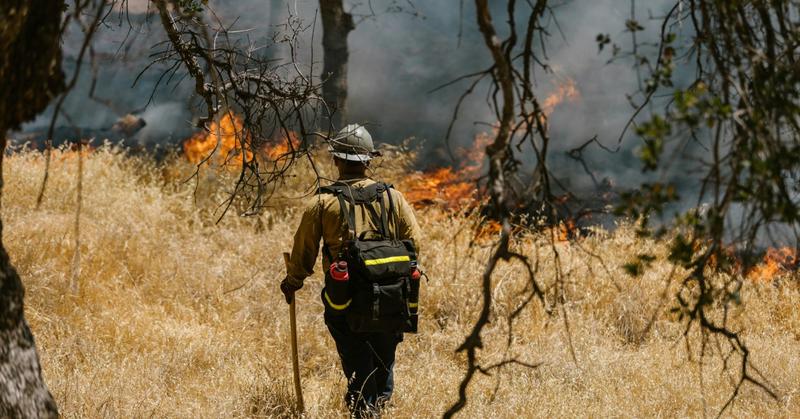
<point>352,175</point>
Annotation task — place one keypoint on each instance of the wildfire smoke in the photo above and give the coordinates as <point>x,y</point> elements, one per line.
<point>455,188</point>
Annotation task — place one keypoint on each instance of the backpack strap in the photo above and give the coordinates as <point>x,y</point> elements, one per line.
<point>348,214</point>
<point>388,216</point>
<point>338,190</point>
<point>360,196</point>
<point>376,219</point>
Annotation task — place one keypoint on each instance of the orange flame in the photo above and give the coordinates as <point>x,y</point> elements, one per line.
<point>565,91</point>
<point>488,229</point>
<point>442,185</point>
<point>566,230</point>
<point>224,139</point>
<point>455,188</point>
<point>777,261</point>
<point>281,148</point>
<point>451,188</point>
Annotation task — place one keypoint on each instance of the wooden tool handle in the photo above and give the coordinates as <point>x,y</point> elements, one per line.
<point>298,390</point>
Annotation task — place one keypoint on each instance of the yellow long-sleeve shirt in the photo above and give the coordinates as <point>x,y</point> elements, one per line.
<point>322,219</point>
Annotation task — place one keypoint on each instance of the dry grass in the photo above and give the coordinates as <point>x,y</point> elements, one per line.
<point>155,329</point>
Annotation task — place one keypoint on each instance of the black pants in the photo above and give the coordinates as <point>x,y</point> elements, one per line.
<point>368,363</point>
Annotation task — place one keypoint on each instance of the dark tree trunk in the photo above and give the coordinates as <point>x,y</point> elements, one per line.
<point>276,13</point>
<point>30,75</point>
<point>336,24</point>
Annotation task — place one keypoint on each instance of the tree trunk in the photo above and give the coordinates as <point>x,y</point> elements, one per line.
<point>336,25</point>
<point>30,76</point>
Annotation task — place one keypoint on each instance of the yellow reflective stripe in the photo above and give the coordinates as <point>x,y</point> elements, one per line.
<point>381,261</point>
<point>413,305</point>
<point>336,306</point>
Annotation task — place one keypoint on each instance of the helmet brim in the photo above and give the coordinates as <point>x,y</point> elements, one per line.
<point>352,157</point>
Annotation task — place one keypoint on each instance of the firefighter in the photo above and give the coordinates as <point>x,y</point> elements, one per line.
<point>367,358</point>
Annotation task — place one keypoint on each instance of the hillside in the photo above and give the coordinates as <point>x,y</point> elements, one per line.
<point>177,316</point>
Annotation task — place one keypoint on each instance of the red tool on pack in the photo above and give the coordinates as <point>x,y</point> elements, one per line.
<point>339,271</point>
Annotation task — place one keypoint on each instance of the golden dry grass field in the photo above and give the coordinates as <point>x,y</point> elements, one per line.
<point>176,316</point>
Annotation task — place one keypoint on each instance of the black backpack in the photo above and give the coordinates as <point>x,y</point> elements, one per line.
<point>381,294</point>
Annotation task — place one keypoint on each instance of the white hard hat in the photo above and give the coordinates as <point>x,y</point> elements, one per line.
<point>353,143</point>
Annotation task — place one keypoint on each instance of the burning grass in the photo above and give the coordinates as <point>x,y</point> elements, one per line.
<point>447,187</point>
<point>226,141</point>
<point>455,188</point>
<point>228,144</point>
<point>177,316</point>
<point>777,262</point>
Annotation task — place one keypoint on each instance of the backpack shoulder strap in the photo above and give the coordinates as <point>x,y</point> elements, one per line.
<point>340,190</point>
<point>386,214</point>
<point>332,189</point>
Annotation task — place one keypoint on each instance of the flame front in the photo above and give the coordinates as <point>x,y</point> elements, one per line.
<point>223,139</point>
<point>777,262</point>
<point>281,149</point>
<point>232,144</point>
<point>565,91</point>
<point>566,230</point>
<point>451,188</point>
<point>442,185</point>
<point>456,187</point>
